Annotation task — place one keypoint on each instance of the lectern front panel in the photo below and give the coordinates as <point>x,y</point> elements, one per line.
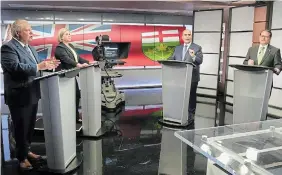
<point>58,105</point>
<point>176,84</point>
<point>251,95</point>
<point>90,81</point>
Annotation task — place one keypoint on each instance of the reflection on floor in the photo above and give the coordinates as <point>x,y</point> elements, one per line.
<point>144,147</point>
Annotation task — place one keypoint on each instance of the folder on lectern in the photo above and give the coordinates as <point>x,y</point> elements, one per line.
<point>252,87</point>
<point>176,84</point>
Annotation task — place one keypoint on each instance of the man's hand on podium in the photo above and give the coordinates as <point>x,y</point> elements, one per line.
<point>277,71</point>
<point>79,65</point>
<point>251,62</point>
<point>85,64</point>
<point>82,65</point>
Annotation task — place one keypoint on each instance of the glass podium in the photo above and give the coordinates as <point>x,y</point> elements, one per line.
<point>245,149</point>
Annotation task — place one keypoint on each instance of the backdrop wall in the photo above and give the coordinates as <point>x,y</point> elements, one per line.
<point>152,37</point>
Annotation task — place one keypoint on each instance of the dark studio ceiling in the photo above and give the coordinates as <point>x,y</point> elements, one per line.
<point>154,7</point>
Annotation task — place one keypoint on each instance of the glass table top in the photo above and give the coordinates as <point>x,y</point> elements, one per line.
<point>246,149</point>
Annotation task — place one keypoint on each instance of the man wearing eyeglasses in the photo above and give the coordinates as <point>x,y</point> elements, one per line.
<point>264,54</point>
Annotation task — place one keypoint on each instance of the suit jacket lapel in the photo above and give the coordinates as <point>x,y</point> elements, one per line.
<point>68,50</point>
<point>20,47</point>
<point>254,54</point>
<point>266,54</point>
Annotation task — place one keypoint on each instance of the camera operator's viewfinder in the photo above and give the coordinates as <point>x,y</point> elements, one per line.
<point>106,50</point>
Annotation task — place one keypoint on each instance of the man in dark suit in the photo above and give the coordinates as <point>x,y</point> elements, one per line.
<point>190,52</point>
<point>264,54</point>
<point>20,64</point>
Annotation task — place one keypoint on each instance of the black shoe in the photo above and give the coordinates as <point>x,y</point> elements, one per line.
<point>33,159</point>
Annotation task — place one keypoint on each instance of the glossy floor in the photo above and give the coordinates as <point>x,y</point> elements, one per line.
<point>144,146</point>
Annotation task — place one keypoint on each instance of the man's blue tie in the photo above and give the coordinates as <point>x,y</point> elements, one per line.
<point>29,52</point>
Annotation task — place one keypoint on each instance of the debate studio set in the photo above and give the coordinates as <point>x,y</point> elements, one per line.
<point>148,105</point>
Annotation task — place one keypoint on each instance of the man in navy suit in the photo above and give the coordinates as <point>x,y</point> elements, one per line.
<point>190,52</point>
<point>20,64</point>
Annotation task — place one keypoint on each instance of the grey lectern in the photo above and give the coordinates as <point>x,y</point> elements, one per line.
<point>58,106</point>
<point>90,84</point>
<point>176,84</point>
<point>252,86</point>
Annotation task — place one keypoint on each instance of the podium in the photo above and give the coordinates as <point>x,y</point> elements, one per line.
<point>176,85</point>
<point>90,85</point>
<point>252,87</point>
<point>58,107</point>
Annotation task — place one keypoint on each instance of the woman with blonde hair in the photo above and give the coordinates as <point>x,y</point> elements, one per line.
<point>65,52</point>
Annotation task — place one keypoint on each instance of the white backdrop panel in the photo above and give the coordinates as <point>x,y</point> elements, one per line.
<point>242,18</point>
<point>276,16</point>
<point>77,16</point>
<point>168,19</point>
<point>277,81</point>
<point>130,18</point>
<point>210,64</point>
<point>31,15</point>
<point>206,91</point>
<point>276,112</point>
<point>233,60</point>
<point>240,43</point>
<point>210,42</point>
<point>208,81</point>
<point>277,38</point>
<point>204,110</point>
<point>204,99</point>
<point>229,100</point>
<point>230,88</point>
<point>275,99</point>
<point>208,21</point>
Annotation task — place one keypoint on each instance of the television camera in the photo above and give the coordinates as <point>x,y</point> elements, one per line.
<point>110,54</point>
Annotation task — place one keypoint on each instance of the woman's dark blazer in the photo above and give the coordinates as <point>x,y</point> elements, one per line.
<point>65,55</point>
